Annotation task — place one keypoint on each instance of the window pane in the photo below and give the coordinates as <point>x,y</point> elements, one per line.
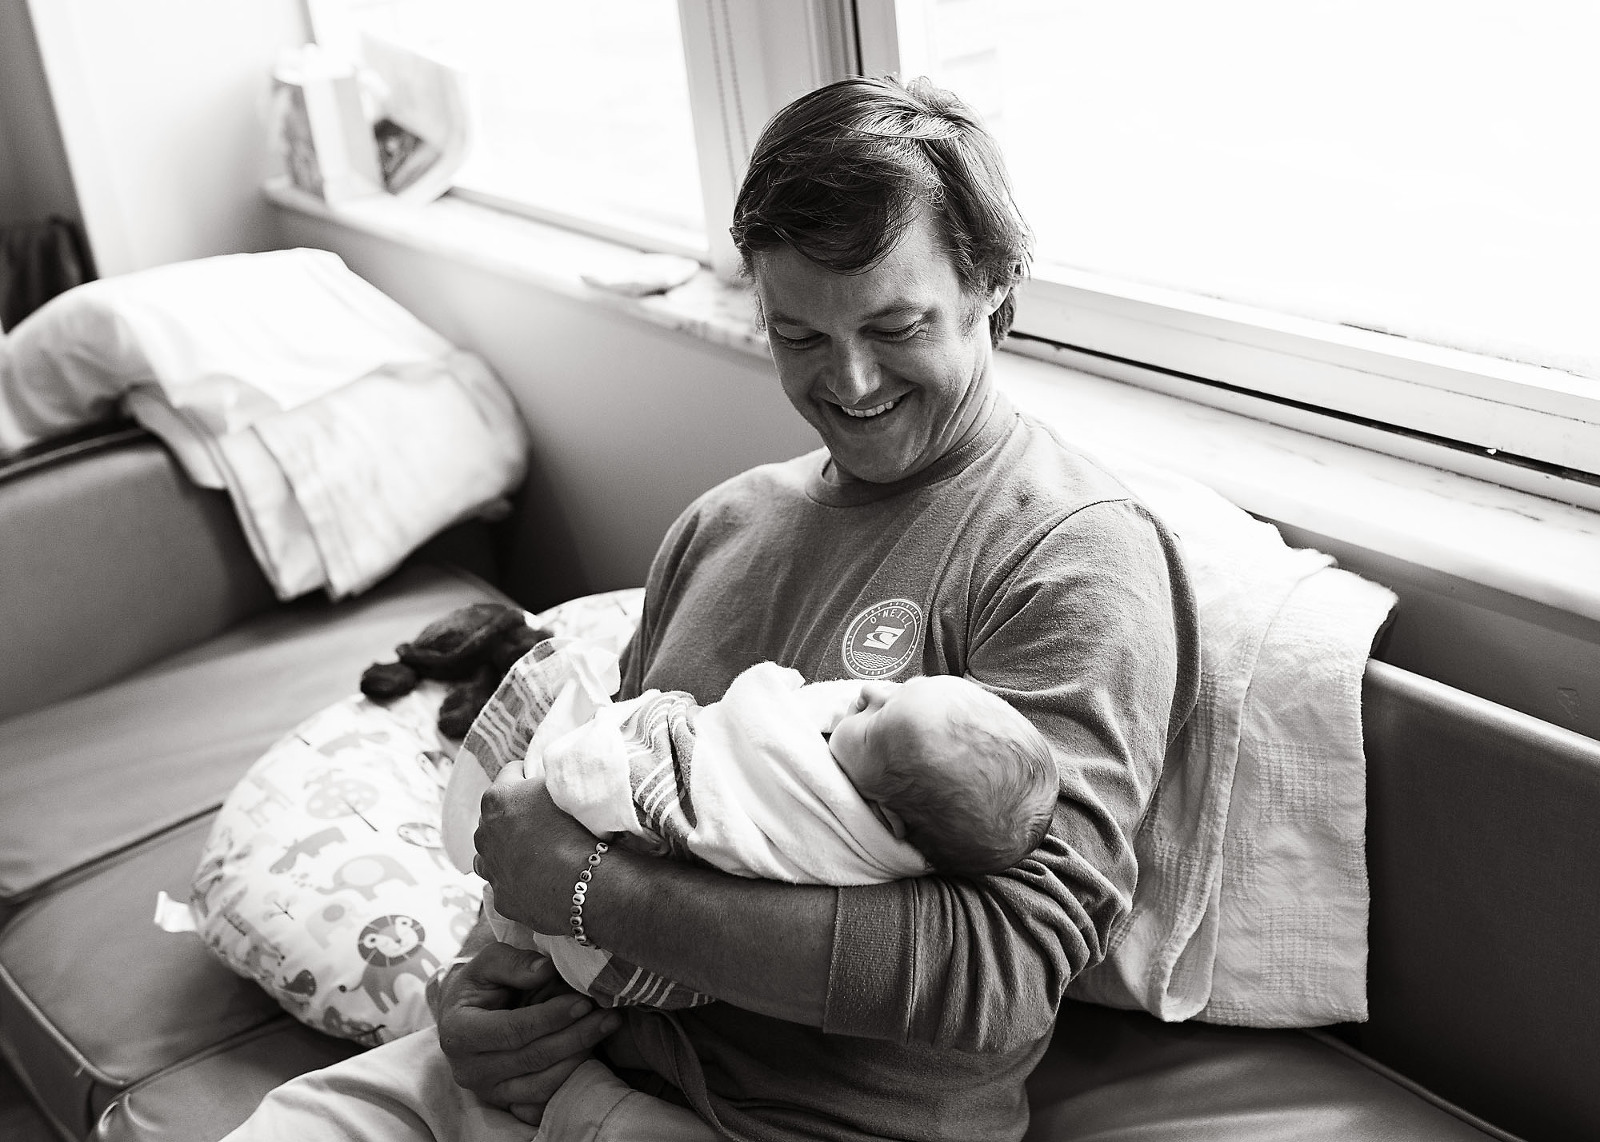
<point>583,108</point>
<point>1419,167</point>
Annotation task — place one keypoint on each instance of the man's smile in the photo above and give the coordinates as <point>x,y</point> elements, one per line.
<point>866,413</point>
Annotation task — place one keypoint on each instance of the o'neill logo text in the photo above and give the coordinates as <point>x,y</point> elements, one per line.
<point>882,640</point>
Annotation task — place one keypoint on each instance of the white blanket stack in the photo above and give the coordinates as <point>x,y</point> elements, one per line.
<point>346,431</point>
<point>1252,901</point>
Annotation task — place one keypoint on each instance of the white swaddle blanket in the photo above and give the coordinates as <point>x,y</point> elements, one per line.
<point>345,431</point>
<point>746,784</point>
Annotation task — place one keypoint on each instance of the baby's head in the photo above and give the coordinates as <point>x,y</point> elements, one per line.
<point>971,779</point>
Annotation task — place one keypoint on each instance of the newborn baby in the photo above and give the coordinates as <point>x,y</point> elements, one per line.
<point>951,768</point>
<point>838,782</point>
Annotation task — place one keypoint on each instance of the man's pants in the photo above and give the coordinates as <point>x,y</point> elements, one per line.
<point>403,1090</point>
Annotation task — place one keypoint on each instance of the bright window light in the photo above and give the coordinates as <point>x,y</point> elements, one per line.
<point>582,109</point>
<point>1416,167</point>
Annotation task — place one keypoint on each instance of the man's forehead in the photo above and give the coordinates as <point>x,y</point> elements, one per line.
<point>917,274</point>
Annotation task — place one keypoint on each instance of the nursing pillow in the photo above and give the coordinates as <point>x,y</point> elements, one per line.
<point>324,878</point>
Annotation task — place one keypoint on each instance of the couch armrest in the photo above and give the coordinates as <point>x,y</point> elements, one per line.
<point>111,559</point>
<point>1484,870</point>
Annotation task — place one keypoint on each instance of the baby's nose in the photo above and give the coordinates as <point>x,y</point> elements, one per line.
<point>877,693</point>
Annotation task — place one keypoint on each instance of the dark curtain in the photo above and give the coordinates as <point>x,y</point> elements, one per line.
<point>37,261</point>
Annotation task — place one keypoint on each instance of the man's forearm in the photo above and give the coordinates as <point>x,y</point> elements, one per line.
<point>758,944</point>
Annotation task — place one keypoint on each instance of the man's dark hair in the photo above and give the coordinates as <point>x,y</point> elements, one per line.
<point>839,174</point>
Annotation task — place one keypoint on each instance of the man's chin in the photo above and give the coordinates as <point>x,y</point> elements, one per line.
<point>869,470</point>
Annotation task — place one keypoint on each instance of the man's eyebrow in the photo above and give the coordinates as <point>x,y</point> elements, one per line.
<point>893,309</point>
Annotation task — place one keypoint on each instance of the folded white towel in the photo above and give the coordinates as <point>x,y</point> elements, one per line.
<point>345,431</point>
<point>228,340</point>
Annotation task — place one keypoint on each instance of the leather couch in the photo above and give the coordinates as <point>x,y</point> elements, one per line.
<point>144,664</point>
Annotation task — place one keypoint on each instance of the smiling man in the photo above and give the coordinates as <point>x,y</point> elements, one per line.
<point>937,532</point>
<point>891,367</point>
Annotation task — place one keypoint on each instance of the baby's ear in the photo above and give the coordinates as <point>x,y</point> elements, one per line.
<point>889,817</point>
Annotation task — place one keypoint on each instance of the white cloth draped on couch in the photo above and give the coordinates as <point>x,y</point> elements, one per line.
<point>345,431</point>
<point>1252,901</point>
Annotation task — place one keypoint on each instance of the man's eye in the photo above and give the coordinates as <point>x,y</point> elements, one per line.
<point>802,342</point>
<point>904,333</point>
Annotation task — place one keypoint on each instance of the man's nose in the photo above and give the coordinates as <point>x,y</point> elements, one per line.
<point>855,373</point>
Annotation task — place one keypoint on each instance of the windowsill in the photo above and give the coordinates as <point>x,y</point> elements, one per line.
<point>540,254</point>
<point>1512,541</point>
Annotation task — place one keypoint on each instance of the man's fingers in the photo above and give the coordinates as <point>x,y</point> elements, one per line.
<point>531,1113</point>
<point>500,967</point>
<point>485,1071</point>
<point>533,1090</point>
<point>509,1030</point>
<point>575,1041</point>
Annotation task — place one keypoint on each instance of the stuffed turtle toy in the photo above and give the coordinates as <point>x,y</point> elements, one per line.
<point>472,646</point>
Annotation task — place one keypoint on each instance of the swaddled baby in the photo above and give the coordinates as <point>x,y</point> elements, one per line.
<point>830,783</point>
<point>950,768</point>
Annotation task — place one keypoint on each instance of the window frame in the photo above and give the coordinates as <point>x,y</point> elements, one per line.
<point>1526,426</point>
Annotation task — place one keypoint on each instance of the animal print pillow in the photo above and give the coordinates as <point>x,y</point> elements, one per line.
<point>324,879</point>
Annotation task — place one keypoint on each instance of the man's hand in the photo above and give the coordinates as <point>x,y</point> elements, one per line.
<point>530,851</point>
<point>509,1055</point>
<point>762,945</point>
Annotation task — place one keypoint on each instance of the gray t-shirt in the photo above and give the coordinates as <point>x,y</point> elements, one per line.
<point>1022,565</point>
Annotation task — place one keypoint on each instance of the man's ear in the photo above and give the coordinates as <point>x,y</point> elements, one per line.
<point>1003,288</point>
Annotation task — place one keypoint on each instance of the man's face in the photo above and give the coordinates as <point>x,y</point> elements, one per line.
<point>890,366</point>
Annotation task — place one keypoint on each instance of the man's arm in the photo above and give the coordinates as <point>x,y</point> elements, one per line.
<point>757,944</point>
<point>1089,651</point>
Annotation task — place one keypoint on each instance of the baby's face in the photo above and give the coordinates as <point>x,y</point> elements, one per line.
<point>886,713</point>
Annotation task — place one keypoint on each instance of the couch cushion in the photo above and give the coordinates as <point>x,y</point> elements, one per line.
<point>93,996</point>
<point>106,798</point>
<point>87,777</point>
<point>1116,1076</point>
<point>203,1098</point>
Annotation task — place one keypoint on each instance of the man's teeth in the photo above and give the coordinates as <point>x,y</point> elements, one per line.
<point>863,413</point>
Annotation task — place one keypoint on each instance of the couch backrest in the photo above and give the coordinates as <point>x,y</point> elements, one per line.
<point>1483,845</point>
<point>111,559</point>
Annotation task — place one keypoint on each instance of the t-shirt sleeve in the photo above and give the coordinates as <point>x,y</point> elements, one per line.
<point>658,589</point>
<point>1091,634</point>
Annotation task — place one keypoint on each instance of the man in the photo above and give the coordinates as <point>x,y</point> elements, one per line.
<point>938,532</point>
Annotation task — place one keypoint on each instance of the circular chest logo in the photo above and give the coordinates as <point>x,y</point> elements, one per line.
<point>882,639</point>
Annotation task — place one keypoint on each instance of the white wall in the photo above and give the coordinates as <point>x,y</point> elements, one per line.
<point>160,105</point>
<point>629,421</point>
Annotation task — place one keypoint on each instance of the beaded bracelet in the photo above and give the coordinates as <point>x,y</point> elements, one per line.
<point>581,889</point>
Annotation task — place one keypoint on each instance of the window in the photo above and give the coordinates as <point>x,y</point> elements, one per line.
<point>1375,219</point>
<point>632,119</point>
<point>582,111</point>
<point>1378,207</point>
